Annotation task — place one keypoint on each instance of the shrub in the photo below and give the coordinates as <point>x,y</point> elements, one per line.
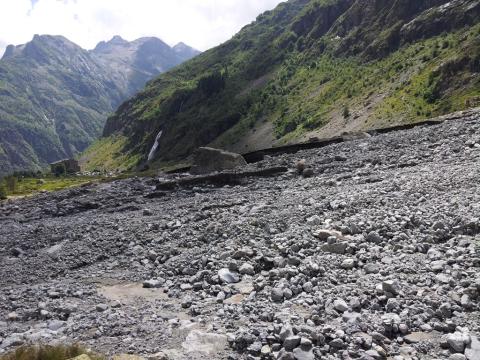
<point>212,83</point>
<point>59,170</point>
<point>3,191</point>
<point>431,95</point>
<point>300,44</point>
<point>346,112</point>
<point>287,40</point>
<point>11,183</point>
<point>475,64</point>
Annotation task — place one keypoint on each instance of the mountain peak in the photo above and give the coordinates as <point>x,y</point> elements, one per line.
<point>180,45</point>
<point>9,51</point>
<point>149,56</point>
<point>184,51</point>
<point>35,48</point>
<point>148,38</point>
<point>117,39</point>
<point>44,38</point>
<point>151,41</point>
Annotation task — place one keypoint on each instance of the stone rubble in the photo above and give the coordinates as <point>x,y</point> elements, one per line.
<point>374,255</point>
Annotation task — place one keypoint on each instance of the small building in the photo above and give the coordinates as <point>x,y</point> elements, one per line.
<point>71,166</point>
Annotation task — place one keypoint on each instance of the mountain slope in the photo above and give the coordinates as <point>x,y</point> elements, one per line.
<point>134,63</point>
<point>56,96</point>
<point>307,68</point>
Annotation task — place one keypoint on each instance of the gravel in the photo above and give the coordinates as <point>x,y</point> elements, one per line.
<point>373,254</point>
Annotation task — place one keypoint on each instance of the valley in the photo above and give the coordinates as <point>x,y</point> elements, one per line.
<point>306,188</point>
<point>373,256</point>
<point>55,97</point>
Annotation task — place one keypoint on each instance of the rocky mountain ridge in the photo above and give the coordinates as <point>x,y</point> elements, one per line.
<point>140,60</point>
<point>55,96</point>
<point>374,254</point>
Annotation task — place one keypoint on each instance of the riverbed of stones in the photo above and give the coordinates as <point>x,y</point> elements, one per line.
<point>372,253</point>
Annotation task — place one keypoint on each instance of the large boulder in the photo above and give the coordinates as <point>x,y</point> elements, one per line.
<point>205,343</point>
<point>207,160</point>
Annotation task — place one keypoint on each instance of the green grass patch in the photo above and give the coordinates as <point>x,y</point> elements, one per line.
<point>26,186</point>
<point>107,154</point>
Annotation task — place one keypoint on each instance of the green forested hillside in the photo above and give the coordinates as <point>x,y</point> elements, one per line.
<point>55,96</point>
<point>307,68</point>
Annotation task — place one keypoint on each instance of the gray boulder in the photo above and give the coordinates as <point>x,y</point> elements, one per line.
<point>458,341</point>
<point>473,350</point>
<point>291,342</point>
<point>340,305</point>
<point>207,160</point>
<point>335,248</point>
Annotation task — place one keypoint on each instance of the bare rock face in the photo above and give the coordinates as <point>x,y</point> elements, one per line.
<point>207,160</point>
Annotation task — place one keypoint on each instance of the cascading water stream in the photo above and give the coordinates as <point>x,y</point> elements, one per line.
<point>151,154</point>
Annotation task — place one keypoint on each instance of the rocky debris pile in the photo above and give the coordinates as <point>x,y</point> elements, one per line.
<point>207,160</point>
<point>374,256</point>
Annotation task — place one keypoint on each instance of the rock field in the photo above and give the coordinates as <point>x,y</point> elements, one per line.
<point>375,254</point>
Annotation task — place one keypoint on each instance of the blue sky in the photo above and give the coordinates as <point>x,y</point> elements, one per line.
<point>199,23</point>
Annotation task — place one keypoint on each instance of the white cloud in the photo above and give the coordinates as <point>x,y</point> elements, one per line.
<point>199,23</point>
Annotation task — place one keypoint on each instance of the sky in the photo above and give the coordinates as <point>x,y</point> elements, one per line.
<point>201,24</point>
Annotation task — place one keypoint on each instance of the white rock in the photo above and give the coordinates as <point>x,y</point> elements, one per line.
<point>348,264</point>
<point>340,305</point>
<point>458,341</point>
<point>228,276</point>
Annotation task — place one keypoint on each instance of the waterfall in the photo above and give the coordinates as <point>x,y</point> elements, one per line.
<point>151,154</point>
